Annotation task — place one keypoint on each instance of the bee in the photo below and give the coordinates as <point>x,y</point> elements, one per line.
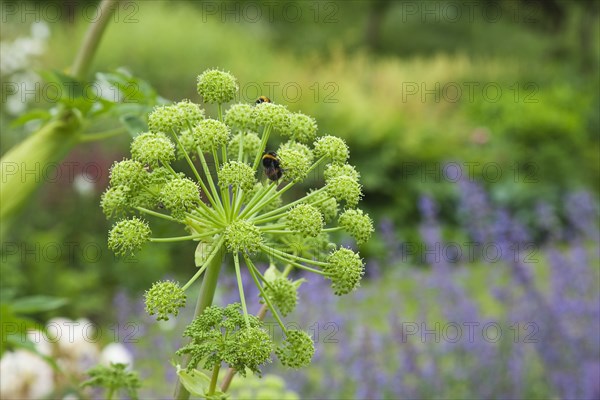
<point>272,166</point>
<point>262,99</point>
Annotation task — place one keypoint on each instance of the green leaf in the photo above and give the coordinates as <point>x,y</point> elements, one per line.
<point>272,273</point>
<point>32,115</point>
<point>196,382</point>
<point>61,85</point>
<point>131,89</point>
<point>203,251</point>
<point>134,124</point>
<point>33,304</point>
<point>14,328</point>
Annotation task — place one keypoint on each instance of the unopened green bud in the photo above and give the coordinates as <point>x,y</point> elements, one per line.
<point>302,128</point>
<point>152,149</point>
<point>242,235</point>
<point>164,298</point>
<point>128,173</point>
<point>211,134</point>
<point>128,236</point>
<point>345,188</point>
<point>239,117</point>
<point>297,350</point>
<point>333,148</point>
<point>271,114</point>
<point>283,293</point>
<point>115,201</point>
<point>305,219</point>
<point>345,269</point>
<point>238,175</point>
<point>180,195</point>
<point>217,86</point>
<point>357,224</point>
<point>335,170</point>
<point>294,163</point>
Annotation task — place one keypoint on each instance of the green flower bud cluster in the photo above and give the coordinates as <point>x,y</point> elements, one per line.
<point>174,117</point>
<point>180,195</point>
<point>217,86</point>
<point>236,198</point>
<point>238,175</point>
<point>283,293</point>
<point>114,378</point>
<point>305,219</point>
<point>242,236</point>
<point>297,350</point>
<point>164,298</point>
<point>128,236</point>
<point>225,335</point>
<point>152,149</point>
<point>358,224</point>
<point>250,143</point>
<point>345,269</point>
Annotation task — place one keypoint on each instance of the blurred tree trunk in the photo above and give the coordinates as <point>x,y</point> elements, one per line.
<point>377,11</point>
<point>589,15</point>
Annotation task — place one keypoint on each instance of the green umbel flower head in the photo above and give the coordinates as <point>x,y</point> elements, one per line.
<point>345,269</point>
<point>128,236</point>
<point>217,86</point>
<point>239,117</point>
<point>297,350</point>
<point>333,148</point>
<point>236,192</point>
<point>152,149</point>
<point>305,219</point>
<point>358,224</point>
<point>243,236</point>
<point>164,298</point>
<point>283,293</point>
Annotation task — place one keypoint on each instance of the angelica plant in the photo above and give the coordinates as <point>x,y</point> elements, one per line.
<point>229,206</point>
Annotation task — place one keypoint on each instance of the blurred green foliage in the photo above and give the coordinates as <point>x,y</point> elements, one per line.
<point>354,66</point>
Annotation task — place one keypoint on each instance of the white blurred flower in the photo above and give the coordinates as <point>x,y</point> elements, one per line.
<point>25,375</point>
<point>41,342</point>
<point>40,30</point>
<point>22,88</point>
<point>84,184</point>
<point>116,353</point>
<point>76,342</point>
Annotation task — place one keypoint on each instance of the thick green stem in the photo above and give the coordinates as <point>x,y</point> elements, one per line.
<point>240,283</point>
<point>49,144</point>
<point>88,48</point>
<point>213,379</point>
<point>205,299</point>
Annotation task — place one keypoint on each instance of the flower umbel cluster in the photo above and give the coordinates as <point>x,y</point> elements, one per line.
<point>222,334</point>
<point>227,203</point>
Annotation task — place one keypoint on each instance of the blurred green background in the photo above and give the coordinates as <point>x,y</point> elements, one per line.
<point>508,87</point>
